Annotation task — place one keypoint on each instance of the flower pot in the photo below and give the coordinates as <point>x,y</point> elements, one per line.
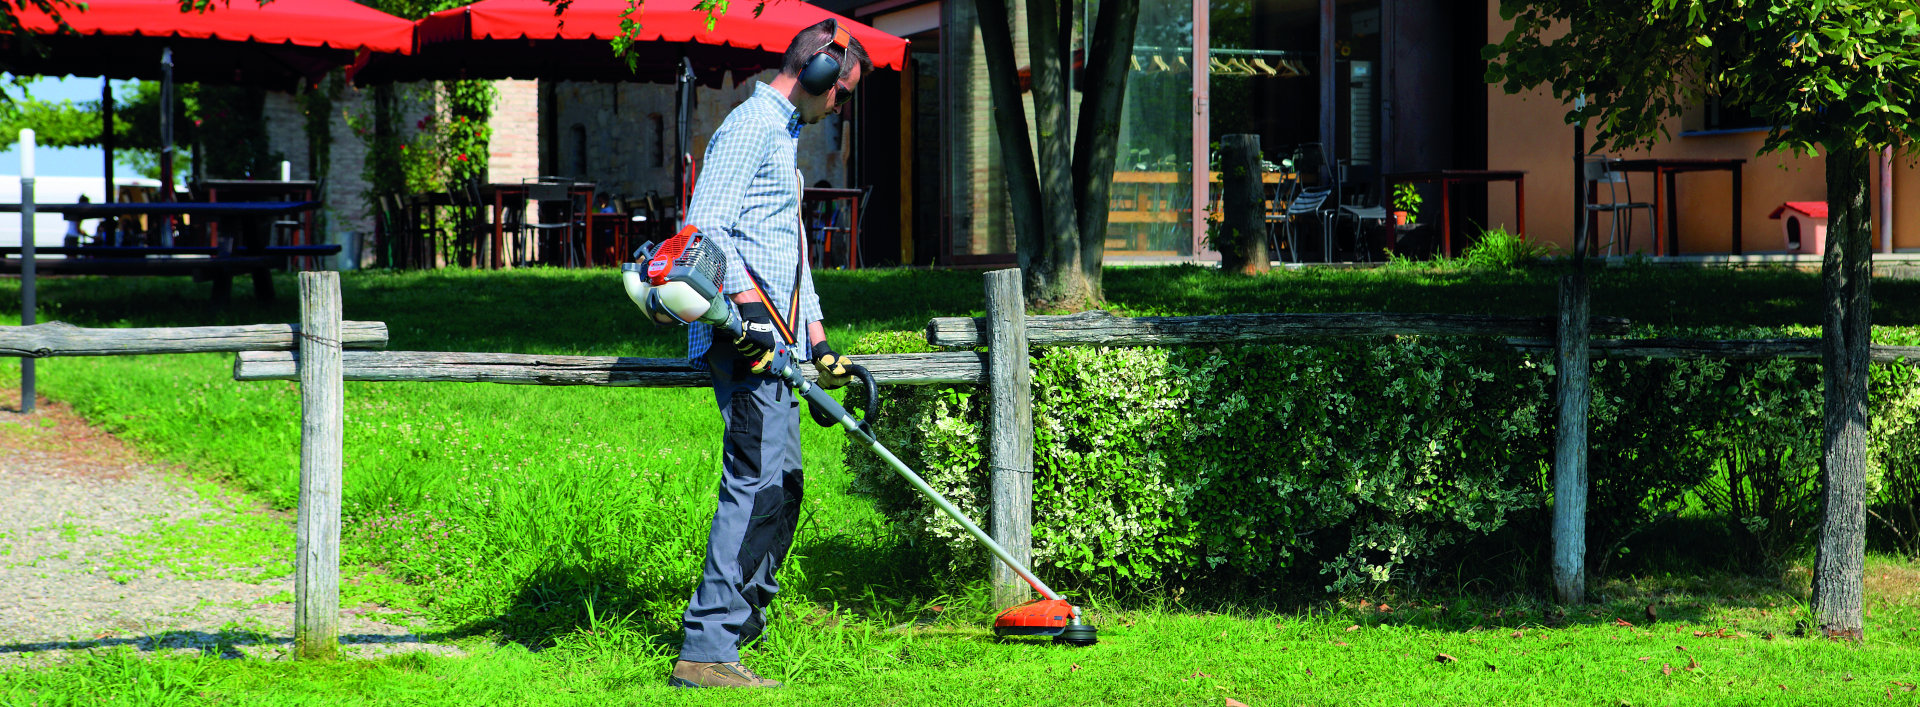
<point>1400,218</point>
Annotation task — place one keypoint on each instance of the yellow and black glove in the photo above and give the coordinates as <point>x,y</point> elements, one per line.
<point>757,338</point>
<point>831,366</point>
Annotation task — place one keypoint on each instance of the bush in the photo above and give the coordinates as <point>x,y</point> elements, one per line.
<point>1366,462</point>
<point>1155,465</point>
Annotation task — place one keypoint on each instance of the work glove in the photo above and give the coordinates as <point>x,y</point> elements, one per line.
<point>757,339</point>
<point>831,366</point>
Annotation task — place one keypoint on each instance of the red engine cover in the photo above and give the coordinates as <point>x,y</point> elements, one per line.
<point>662,261</point>
<point>1041,617</point>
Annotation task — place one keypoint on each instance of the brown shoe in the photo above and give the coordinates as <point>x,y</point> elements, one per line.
<point>690,674</point>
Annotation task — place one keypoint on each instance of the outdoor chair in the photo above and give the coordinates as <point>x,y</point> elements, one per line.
<point>1619,204</point>
<point>1360,189</point>
<point>1310,202</point>
<point>1317,195</point>
<point>554,229</point>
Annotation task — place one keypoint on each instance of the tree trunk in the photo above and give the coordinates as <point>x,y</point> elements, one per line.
<point>1243,242</point>
<point>1839,571</point>
<point>1103,93</point>
<point>1062,280</point>
<point>1016,147</point>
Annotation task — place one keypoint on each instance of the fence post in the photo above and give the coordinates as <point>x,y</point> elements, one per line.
<point>316,579</point>
<point>1571,381</point>
<point>27,284</point>
<point>1009,432</point>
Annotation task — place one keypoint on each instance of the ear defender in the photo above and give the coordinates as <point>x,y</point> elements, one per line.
<point>823,69</point>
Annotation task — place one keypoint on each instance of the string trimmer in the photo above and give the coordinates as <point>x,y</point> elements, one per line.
<point>676,282</point>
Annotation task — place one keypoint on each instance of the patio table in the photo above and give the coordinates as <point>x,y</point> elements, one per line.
<point>1664,169</point>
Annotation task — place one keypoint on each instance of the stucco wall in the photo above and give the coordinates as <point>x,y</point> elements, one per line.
<point>1527,131</point>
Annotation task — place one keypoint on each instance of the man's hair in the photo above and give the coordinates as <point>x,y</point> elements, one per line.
<point>810,41</point>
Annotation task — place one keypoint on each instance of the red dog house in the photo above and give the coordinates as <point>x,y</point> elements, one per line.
<point>1804,226</point>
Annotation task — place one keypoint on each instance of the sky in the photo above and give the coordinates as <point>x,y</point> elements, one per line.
<point>66,161</point>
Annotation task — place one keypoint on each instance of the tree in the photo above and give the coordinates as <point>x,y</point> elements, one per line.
<point>1059,201</point>
<point>1841,76</point>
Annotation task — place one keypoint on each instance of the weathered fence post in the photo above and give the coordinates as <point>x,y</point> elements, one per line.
<point>1245,227</point>
<point>316,579</point>
<point>27,295</point>
<point>1571,379</point>
<point>1009,432</point>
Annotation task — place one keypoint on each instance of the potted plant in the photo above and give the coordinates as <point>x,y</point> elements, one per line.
<point>1406,204</point>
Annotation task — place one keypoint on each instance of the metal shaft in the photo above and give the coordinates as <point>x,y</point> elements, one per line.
<point>815,395</point>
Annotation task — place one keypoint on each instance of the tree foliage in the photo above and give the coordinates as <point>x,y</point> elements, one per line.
<point>1839,77</point>
<point>1822,72</point>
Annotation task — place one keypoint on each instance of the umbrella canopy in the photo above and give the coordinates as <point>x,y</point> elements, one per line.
<point>525,39</point>
<point>241,42</point>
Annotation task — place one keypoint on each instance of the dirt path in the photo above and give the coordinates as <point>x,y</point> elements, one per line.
<point>100,549</point>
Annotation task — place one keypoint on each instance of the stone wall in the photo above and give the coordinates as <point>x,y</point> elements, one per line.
<point>622,136</point>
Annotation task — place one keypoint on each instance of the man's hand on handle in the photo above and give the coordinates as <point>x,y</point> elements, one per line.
<point>831,366</point>
<point>757,338</point>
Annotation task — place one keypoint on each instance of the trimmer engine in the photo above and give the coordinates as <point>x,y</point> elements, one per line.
<point>678,282</point>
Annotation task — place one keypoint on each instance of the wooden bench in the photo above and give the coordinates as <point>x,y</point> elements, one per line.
<point>202,263</point>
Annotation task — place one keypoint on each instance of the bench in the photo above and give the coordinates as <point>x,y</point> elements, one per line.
<point>202,263</point>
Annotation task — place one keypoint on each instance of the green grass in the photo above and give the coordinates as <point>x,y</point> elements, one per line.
<point>558,531</point>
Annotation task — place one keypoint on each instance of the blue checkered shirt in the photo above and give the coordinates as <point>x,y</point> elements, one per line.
<point>748,199</point>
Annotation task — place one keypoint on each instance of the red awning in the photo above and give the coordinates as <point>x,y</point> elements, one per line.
<point>524,39</point>
<point>238,42</point>
<point>338,24</point>
<point>669,21</point>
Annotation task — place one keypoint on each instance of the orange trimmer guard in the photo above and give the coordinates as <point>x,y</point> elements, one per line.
<point>1041,617</point>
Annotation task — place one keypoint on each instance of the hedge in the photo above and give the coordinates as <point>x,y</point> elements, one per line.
<point>1359,461</point>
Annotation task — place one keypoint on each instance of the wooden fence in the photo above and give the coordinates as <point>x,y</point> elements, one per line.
<point>321,352</point>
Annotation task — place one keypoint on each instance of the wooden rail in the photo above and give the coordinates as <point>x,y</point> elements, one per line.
<point>1728,349</point>
<point>1105,329</point>
<point>534,369</point>
<point>62,339</point>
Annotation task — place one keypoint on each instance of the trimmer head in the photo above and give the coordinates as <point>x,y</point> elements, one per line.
<point>1046,617</point>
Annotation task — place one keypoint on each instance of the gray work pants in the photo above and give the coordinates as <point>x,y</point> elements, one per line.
<point>760,492</point>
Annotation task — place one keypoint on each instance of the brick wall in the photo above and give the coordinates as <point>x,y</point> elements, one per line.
<point>513,152</point>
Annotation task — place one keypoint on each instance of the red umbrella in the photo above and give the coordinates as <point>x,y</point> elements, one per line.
<point>238,42</point>
<point>526,39</point>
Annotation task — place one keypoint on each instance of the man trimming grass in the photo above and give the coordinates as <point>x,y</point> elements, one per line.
<point>748,201</point>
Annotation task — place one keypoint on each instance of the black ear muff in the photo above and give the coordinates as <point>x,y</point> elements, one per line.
<point>823,69</point>
<point>820,73</point>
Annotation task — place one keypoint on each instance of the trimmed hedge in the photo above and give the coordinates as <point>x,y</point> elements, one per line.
<point>1362,461</point>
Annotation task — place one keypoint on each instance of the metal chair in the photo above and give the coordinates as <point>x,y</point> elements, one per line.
<point>1360,189</point>
<point>1620,230</point>
<point>558,211</point>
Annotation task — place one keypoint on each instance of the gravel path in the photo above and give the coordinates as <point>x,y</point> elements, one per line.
<point>85,566</point>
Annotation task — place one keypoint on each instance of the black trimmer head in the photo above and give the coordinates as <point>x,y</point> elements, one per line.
<point>1077,634</point>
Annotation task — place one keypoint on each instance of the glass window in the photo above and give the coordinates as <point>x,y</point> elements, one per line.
<point>1150,208</point>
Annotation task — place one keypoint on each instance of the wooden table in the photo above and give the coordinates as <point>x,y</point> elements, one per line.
<point>498,194</point>
<point>243,190</point>
<point>1664,202</point>
<point>219,263</point>
<point>1446,178</point>
<point>817,194</point>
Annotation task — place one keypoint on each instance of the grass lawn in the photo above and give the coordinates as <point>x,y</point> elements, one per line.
<point>557,531</point>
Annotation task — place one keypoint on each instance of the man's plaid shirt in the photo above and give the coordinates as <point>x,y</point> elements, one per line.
<point>748,200</point>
